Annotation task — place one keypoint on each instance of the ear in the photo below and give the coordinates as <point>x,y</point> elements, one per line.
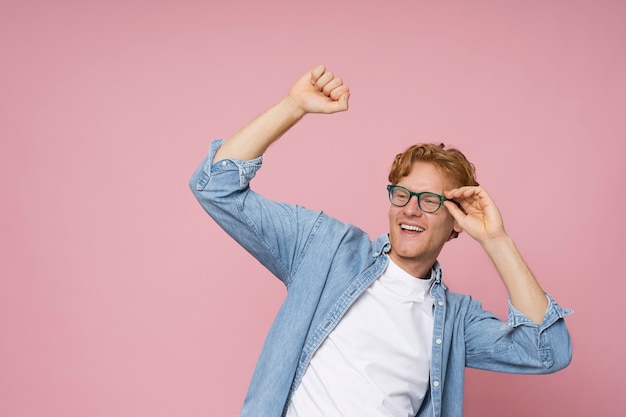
<point>455,231</point>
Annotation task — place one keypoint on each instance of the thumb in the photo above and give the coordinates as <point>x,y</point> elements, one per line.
<point>455,211</point>
<point>336,106</point>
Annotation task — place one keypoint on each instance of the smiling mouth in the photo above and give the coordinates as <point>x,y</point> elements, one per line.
<point>411,228</point>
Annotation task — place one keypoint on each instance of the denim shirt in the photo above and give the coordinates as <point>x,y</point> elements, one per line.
<point>326,265</point>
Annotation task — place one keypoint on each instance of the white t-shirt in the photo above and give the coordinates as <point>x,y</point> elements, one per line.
<point>376,361</point>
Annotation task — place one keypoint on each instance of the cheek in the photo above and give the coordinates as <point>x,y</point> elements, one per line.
<point>446,223</point>
<point>392,213</point>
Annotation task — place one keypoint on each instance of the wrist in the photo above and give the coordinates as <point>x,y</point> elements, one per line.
<point>290,106</point>
<point>498,242</point>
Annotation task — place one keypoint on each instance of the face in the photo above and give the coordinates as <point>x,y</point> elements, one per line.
<point>417,237</point>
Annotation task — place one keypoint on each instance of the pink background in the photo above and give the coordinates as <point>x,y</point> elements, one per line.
<point>120,297</point>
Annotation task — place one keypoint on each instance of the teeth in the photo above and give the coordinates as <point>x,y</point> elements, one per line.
<point>413,228</point>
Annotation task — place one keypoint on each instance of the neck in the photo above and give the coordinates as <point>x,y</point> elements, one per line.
<point>417,269</point>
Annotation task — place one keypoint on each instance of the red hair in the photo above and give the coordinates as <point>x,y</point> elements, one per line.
<point>450,162</point>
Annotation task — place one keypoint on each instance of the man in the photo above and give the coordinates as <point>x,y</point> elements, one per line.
<point>369,328</point>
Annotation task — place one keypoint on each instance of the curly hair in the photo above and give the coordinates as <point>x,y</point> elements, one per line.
<point>450,162</point>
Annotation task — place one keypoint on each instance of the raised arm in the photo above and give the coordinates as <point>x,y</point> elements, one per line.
<point>483,222</point>
<point>317,91</point>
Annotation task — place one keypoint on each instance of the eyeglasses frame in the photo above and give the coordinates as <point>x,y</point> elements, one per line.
<point>442,198</point>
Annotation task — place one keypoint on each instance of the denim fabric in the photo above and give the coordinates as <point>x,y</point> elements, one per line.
<point>326,265</point>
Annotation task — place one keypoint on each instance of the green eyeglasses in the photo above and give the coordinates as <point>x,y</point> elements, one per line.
<point>427,202</point>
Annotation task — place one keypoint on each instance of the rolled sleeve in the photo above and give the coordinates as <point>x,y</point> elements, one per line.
<point>553,313</point>
<point>275,233</point>
<point>246,169</point>
<point>519,345</point>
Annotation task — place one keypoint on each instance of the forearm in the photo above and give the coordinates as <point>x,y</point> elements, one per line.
<point>481,219</point>
<point>317,91</point>
<point>254,138</point>
<point>525,292</point>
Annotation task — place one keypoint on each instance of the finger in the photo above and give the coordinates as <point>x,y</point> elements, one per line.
<point>336,106</point>
<point>477,195</point>
<point>344,99</point>
<point>461,191</point>
<point>332,84</point>
<point>324,79</point>
<point>340,91</point>
<point>316,73</point>
<point>461,199</point>
<point>455,211</point>
<point>467,195</point>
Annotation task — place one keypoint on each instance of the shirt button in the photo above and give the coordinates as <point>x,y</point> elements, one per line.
<point>224,163</point>
<point>436,384</point>
<point>438,341</point>
<point>440,303</point>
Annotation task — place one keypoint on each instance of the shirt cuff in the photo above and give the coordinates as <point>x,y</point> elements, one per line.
<point>553,313</point>
<point>247,169</point>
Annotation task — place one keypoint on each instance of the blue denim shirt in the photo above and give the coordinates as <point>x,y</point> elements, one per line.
<point>326,265</point>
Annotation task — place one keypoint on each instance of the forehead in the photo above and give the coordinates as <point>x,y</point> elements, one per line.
<point>426,176</point>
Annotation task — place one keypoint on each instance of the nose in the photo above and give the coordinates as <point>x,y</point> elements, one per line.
<point>412,207</point>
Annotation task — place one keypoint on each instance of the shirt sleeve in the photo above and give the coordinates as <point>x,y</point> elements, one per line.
<point>519,345</point>
<point>275,233</point>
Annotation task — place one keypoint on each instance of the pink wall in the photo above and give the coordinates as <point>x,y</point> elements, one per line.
<point>118,295</point>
